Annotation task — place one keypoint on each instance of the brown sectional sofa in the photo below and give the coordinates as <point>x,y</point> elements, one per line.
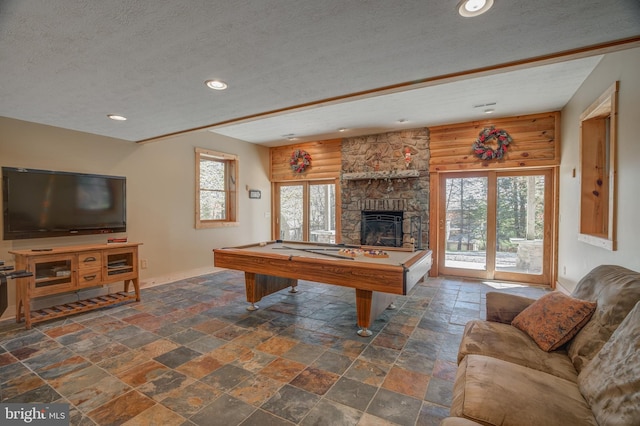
<point>504,378</point>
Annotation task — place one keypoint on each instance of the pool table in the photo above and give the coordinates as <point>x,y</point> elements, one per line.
<point>274,265</point>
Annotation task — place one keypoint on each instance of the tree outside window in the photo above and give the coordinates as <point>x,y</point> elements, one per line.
<point>216,192</point>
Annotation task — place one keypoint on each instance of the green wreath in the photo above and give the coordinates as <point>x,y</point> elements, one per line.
<point>300,160</point>
<point>485,152</point>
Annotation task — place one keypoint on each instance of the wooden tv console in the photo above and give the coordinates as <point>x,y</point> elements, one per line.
<point>70,269</point>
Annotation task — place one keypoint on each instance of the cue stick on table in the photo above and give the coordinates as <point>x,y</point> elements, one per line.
<point>315,249</point>
<point>317,252</point>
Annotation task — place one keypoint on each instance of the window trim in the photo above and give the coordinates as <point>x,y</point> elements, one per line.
<point>598,140</point>
<point>231,182</point>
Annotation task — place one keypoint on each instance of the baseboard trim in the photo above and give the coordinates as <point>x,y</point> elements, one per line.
<point>166,279</point>
<point>562,287</point>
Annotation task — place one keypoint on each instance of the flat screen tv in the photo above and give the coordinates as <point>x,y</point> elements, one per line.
<point>43,203</point>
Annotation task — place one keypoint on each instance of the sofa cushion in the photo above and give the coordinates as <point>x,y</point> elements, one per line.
<point>554,319</point>
<point>611,381</point>
<point>491,391</point>
<point>616,290</point>
<point>503,307</point>
<point>506,342</point>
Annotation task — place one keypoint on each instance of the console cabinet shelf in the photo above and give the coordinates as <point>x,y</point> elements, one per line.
<point>68,269</point>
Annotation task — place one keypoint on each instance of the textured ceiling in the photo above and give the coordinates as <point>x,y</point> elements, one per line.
<point>69,63</point>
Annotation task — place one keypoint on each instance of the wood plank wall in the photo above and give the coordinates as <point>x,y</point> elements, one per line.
<point>535,143</point>
<point>326,161</point>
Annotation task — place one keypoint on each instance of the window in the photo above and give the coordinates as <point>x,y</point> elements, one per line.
<point>216,189</point>
<point>598,171</point>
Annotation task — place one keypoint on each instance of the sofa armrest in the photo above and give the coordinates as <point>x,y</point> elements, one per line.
<point>503,307</point>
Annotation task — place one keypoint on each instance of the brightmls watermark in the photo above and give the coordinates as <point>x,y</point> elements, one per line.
<point>34,414</point>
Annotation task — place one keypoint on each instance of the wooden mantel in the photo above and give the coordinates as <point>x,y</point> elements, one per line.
<point>387,174</point>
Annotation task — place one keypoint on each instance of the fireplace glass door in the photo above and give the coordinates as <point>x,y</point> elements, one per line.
<point>381,228</point>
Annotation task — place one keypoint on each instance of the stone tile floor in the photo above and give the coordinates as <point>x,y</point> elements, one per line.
<point>191,354</point>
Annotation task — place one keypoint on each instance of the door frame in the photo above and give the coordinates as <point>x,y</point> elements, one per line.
<point>437,225</point>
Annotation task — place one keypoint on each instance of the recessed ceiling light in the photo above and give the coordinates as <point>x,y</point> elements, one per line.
<point>470,8</point>
<point>216,84</point>
<point>403,120</point>
<point>342,129</point>
<point>117,117</point>
<point>489,111</point>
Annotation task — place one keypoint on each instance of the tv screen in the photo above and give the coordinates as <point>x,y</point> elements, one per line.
<point>42,203</point>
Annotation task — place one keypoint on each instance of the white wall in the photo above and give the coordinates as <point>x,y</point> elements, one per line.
<point>160,193</point>
<point>575,258</point>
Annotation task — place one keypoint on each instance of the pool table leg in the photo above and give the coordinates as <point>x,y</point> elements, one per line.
<point>370,304</point>
<point>258,285</point>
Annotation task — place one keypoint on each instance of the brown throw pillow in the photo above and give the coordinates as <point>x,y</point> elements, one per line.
<point>554,319</point>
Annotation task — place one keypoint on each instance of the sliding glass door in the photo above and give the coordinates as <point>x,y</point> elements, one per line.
<point>466,223</point>
<point>306,211</point>
<point>291,209</point>
<point>520,224</point>
<point>496,225</point>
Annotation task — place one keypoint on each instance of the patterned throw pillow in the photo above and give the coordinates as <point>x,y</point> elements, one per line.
<point>554,319</point>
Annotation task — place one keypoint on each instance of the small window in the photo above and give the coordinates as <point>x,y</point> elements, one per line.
<point>216,189</point>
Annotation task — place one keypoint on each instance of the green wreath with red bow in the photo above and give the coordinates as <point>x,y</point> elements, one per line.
<point>483,148</point>
<point>300,160</point>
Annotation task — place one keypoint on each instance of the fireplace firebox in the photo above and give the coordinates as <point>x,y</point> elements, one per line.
<point>381,228</point>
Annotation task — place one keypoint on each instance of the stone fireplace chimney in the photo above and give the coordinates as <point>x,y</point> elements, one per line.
<point>388,172</point>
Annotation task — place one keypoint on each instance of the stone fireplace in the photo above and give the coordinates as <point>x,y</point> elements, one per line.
<point>379,183</point>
